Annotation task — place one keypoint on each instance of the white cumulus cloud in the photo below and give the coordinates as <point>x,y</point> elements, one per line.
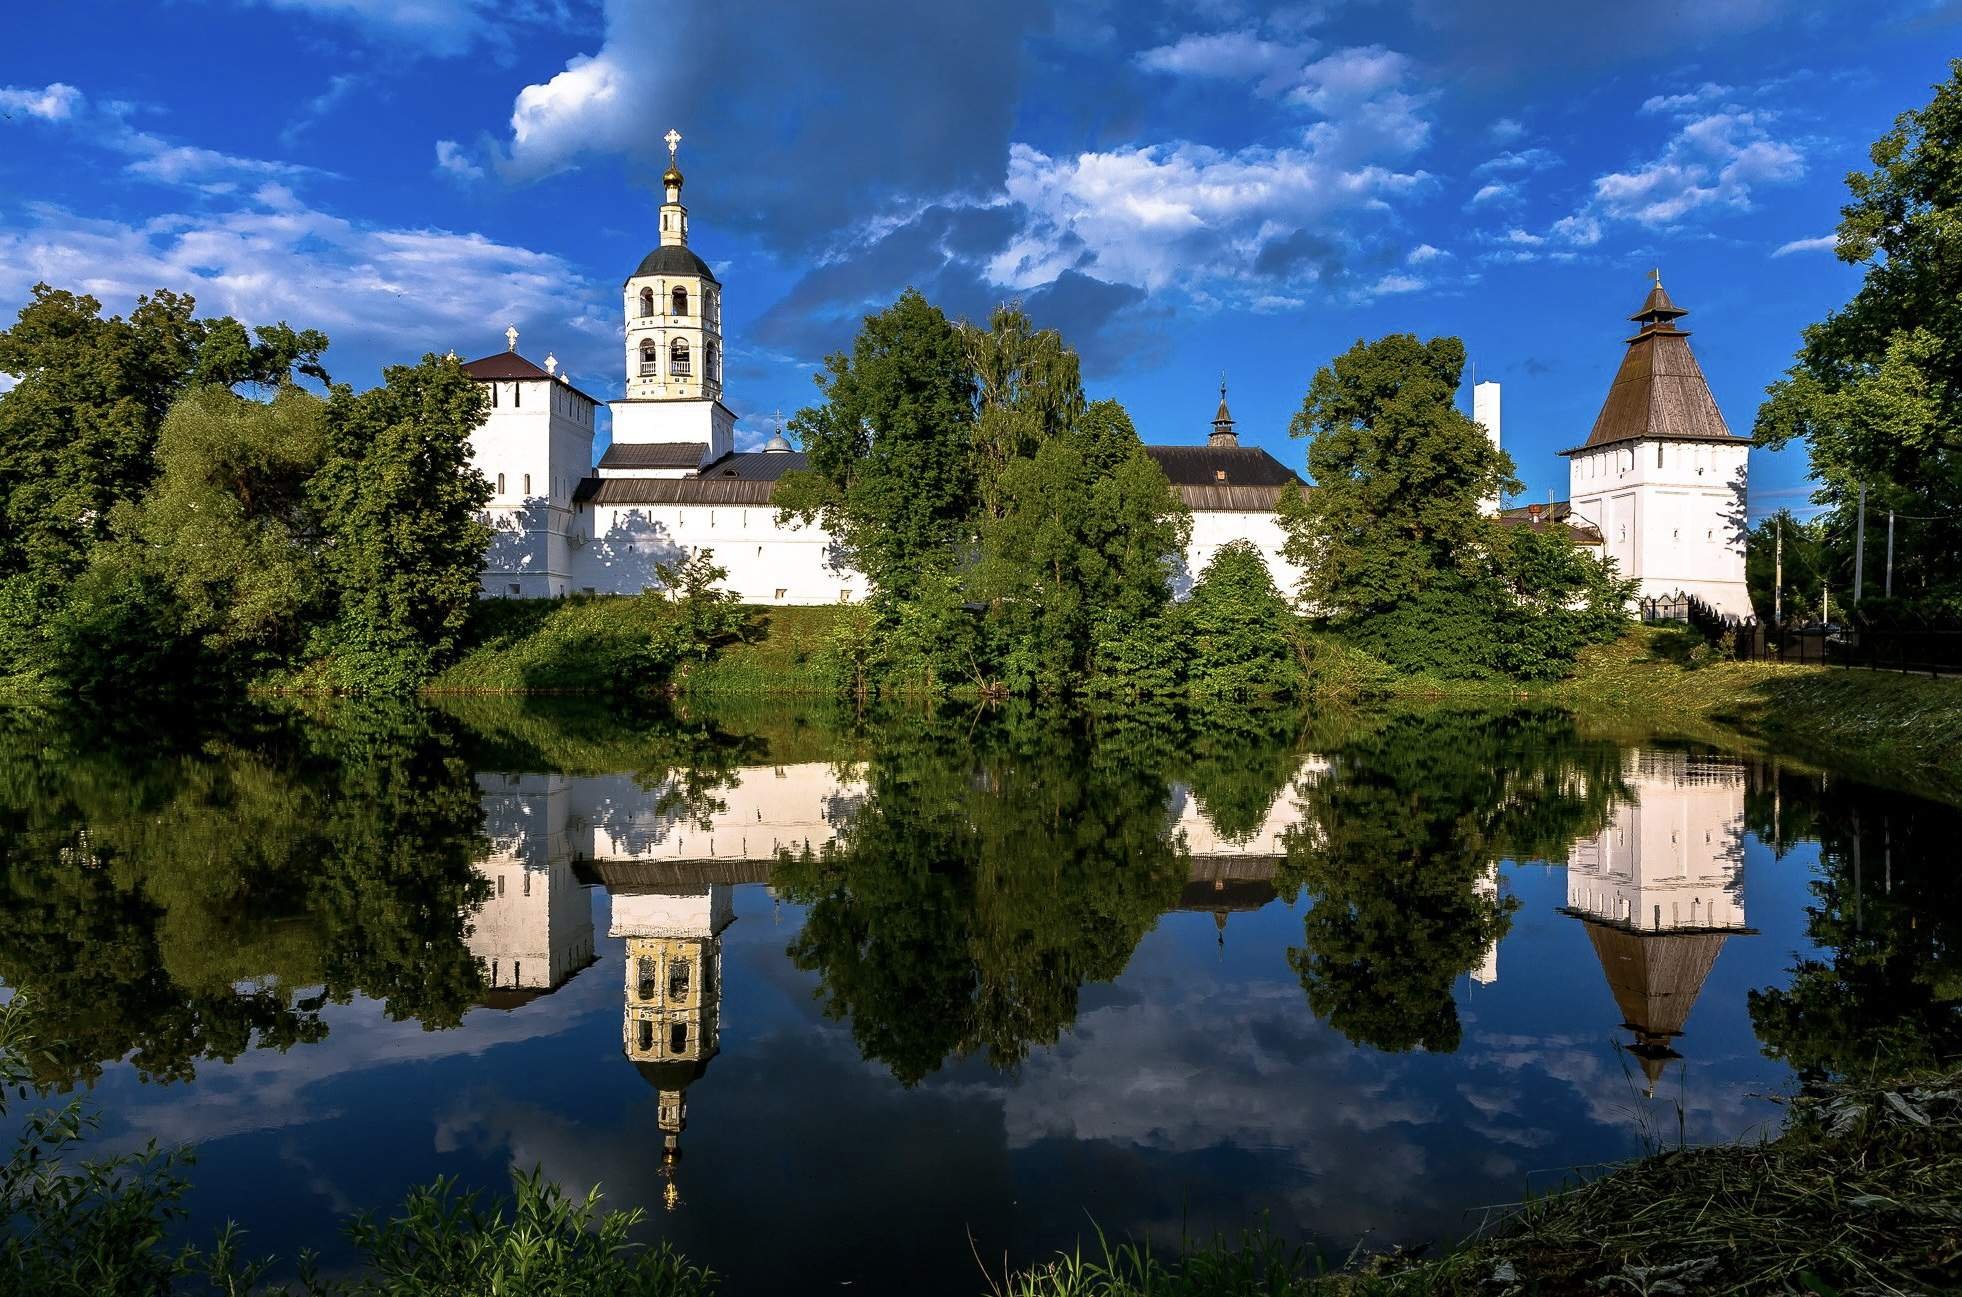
<point>452,161</point>
<point>1824,243</point>
<point>51,103</point>
<point>1713,162</point>
<point>392,292</point>
<point>1270,67</point>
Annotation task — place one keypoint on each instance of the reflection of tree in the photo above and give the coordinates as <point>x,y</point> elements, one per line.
<point>1241,760</point>
<point>1886,990</point>
<point>169,904</point>
<point>1393,842</point>
<point>988,874</point>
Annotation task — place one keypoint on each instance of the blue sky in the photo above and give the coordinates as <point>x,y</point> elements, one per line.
<point>1182,188</point>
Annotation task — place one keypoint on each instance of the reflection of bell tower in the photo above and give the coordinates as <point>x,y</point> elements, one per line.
<point>1661,889</point>
<point>673,993</point>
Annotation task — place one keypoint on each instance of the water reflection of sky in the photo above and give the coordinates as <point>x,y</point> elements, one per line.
<point>1194,1093</point>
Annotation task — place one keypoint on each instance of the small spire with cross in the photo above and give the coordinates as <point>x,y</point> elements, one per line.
<point>1656,275</point>
<point>511,338</point>
<point>673,138</point>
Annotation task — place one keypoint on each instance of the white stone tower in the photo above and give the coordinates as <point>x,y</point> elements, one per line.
<point>674,341</point>
<point>1485,412</point>
<point>534,446</point>
<point>1660,476</point>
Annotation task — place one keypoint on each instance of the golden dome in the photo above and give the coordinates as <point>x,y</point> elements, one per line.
<point>672,177</point>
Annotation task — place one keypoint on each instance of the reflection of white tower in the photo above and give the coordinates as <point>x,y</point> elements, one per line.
<point>673,994</point>
<point>1660,889</point>
<point>535,929</point>
<point>1487,886</point>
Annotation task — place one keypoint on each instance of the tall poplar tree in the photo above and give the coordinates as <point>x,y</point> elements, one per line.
<point>400,504</point>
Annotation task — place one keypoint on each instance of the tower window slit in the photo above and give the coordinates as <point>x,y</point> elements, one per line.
<point>678,977</point>
<point>644,1035</point>
<point>644,974</point>
<point>678,1038</point>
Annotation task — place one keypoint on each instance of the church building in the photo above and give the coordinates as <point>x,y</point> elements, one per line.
<point>673,484</point>
<point>1658,485</point>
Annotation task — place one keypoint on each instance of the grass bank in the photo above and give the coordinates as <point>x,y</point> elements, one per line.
<point>1858,1194</point>
<point>1898,729</point>
<point>1902,729</point>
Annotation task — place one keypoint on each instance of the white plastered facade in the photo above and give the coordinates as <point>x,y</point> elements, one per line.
<point>1671,515</point>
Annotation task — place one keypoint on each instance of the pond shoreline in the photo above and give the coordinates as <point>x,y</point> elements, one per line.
<point>1857,1189</point>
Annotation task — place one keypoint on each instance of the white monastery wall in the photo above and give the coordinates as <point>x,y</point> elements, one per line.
<point>615,548</point>
<point>1672,859</point>
<point>1671,514</point>
<point>1214,528</point>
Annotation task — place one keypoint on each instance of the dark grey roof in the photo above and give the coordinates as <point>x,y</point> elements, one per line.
<point>509,365</point>
<point>757,465</point>
<point>660,454</point>
<point>673,490</point>
<point>1203,466</point>
<point>674,259</point>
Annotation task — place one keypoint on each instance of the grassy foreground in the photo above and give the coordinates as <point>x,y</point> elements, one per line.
<point>1861,1193</point>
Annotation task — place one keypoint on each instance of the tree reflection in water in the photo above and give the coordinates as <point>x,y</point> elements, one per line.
<point>179,897</point>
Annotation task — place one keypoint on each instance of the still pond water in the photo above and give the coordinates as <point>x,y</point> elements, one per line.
<point>845,1002</point>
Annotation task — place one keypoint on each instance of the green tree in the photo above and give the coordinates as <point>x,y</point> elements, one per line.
<point>400,503</point>
<point>1556,599</point>
<point>1399,474</point>
<point>1029,390</point>
<point>78,431</point>
<point>892,473</point>
<point>228,524</point>
<point>1876,390</point>
<point>1239,629</point>
<point>1076,550</point>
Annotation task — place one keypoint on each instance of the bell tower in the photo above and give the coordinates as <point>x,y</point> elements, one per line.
<point>673,311</point>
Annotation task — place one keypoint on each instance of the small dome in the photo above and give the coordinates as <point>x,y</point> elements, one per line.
<point>776,445</point>
<point>672,177</point>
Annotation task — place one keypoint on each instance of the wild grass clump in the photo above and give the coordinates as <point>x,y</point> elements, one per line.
<point>76,1226</point>
<point>1257,1265</point>
<point>1861,1193</point>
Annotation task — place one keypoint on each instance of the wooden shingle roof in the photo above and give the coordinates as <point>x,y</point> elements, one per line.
<point>1659,393</point>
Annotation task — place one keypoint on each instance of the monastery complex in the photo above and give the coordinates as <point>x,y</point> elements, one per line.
<point>1658,484</point>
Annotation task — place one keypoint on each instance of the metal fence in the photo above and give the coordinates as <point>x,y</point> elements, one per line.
<point>1931,649</point>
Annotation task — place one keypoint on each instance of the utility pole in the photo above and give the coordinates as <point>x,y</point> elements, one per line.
<point>1778,570</point>
<point>1860,550</point>
<point>1890,553</point>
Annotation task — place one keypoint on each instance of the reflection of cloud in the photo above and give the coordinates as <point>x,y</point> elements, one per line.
<point>267,1090</point>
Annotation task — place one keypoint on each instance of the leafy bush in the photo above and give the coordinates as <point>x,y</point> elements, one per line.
<point>1240,630</point>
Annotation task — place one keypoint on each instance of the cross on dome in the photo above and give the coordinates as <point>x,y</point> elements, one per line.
<point>673,137</point>
<point>511,338</point>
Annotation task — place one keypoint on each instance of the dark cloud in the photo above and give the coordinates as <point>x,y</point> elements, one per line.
<point>811,118</point>
<point>943,252</point>
<point>1305,251</point>
<point>1508,38</point>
